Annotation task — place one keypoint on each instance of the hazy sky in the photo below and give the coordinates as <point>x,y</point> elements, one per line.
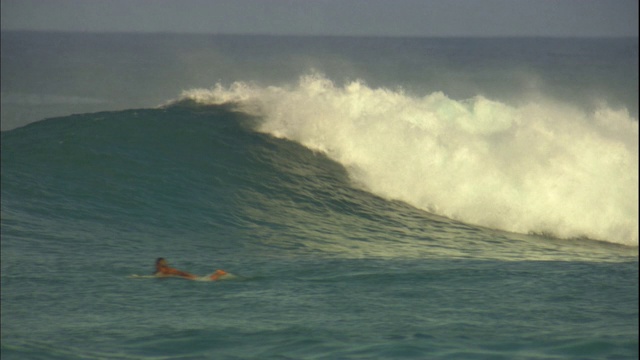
<point>330,17</point>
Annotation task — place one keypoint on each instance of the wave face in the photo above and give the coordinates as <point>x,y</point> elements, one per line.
<point>539,167</point>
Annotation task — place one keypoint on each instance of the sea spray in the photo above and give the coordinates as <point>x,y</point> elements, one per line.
<point>542,166</point>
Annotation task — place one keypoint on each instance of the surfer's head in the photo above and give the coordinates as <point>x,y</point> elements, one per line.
<point>160,262</point>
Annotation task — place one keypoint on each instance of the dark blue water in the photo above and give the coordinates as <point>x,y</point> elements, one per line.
<point>318,198</point>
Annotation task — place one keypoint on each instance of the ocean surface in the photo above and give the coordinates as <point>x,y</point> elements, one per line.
<point>372,198</point>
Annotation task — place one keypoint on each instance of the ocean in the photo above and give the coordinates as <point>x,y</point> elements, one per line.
<point>371,198</point>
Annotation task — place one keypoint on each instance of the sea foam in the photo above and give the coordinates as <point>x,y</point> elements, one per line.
<point>541,166</point>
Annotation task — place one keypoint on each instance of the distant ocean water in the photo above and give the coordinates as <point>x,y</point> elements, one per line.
<point>373,198</point>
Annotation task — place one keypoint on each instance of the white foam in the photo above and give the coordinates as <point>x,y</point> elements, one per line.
<point>542,166</point>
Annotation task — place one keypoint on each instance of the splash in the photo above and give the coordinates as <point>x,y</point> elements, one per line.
<point>542,167</point>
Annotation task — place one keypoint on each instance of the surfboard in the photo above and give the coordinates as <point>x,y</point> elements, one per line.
<point>136,276</point>
<point>227,276</point>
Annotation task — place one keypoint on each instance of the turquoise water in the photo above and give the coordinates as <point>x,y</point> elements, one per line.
<point>299,189</point>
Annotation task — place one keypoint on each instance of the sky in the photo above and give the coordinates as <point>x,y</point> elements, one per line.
<point>437,18</point>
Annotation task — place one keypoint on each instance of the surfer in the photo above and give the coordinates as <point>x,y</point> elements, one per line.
<point>163,269</point>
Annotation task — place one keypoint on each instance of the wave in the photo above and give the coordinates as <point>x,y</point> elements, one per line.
<point>538,167</point>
